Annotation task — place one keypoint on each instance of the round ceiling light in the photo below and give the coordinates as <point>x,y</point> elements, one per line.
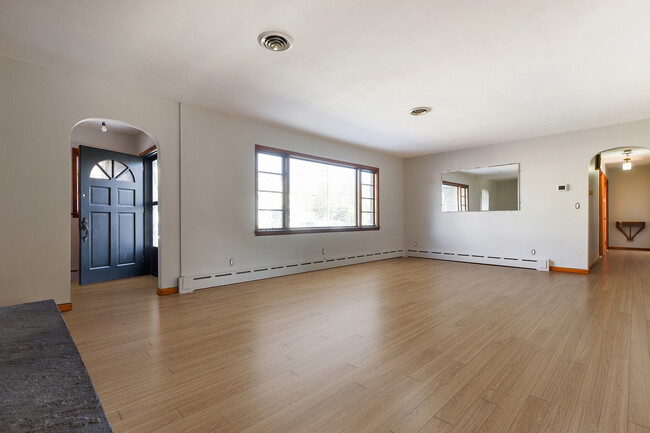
<point>419,111</point>
<point>275,41</point>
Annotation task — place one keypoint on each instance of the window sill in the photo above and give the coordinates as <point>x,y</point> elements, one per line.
<point>273,232</point>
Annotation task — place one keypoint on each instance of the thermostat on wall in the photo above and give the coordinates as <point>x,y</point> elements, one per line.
<point>564,187</point>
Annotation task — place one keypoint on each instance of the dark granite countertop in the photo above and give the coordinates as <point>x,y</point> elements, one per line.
<point>44,385</point>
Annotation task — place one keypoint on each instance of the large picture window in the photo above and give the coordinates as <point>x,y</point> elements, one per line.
<point>298,193</point>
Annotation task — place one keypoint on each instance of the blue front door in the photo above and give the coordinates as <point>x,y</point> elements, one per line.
<point>111,215</point>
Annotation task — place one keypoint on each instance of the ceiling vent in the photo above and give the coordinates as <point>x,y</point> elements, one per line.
<point>419,111</point>
<point>275,41</point>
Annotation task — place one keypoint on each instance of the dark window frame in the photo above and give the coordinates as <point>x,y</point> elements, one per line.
<point>75,183</point>
<point>285,230</point>
<point>151,252</point>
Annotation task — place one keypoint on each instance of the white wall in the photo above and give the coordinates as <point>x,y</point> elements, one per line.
<point>547,221</point>
<point>38,109</point>
<point>594,212</point>
<point>218,195</point>
<point>132,144</point>
<point>629,200</point>
<point>143,142</point>
<point>110,140</point>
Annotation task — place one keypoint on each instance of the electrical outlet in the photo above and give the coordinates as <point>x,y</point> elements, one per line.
<point>415,244</point>
<point>231,262</point>
<point>322,251</point>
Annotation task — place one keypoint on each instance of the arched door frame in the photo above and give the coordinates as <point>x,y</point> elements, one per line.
<point>154,148</point>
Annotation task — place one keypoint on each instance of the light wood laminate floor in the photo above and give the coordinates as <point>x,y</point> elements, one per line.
<point>402,345</point>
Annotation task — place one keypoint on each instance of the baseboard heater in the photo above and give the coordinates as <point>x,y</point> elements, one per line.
<point>539,264</point>
<point>190,283</point>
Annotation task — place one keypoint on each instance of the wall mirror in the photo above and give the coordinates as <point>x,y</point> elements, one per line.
<point>481,189</point>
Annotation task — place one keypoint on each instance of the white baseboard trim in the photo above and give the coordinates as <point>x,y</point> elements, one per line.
<point>190,283</point>
<point>539,264</point>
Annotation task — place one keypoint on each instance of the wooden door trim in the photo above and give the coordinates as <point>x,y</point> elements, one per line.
<point>148,151</point>
<point>629,248</point>
<point>603,212</point>
<point>606,213</point>
<point>167,291</point>
<point>65,306</point>
<point>569,270</point>
<point>75,183</point>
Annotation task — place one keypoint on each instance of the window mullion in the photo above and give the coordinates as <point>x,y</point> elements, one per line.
<point>257,193</point>
<point>358,198</point>
<point>375,197</point>
<point>286,214</point>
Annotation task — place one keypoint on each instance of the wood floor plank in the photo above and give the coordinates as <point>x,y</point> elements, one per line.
<point>443,389</point>
<point>435,425</point>
<point>561,409</point>
<point>635,428</point>
<point>308,417</point>
<point>146,423</point>
<point>551,379</point>
<point>439,397</point>
<point>596,375</point>
<point>452,411</point>
<point>530,416</point>
<point>511,404</point>
<point>416,418</point>
<point>613,417</point>
<point>474,417</point>
<point>501,385</point>
<point>639,400</point>
<point>376,347</point>
<point>585,418</point>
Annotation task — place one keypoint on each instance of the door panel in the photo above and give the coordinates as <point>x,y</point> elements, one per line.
<point>111,205</point>
<point>100,195</point>
<point>100,241</point>
<point>126,238</point>
<point>125,197</point>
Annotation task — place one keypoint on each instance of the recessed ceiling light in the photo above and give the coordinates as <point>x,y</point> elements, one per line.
<point>419,111</point>
<point>275,41</point>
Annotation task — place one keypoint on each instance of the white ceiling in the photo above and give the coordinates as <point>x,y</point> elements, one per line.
<point>112,126</point>
<point>492,71</point>
<point>494,172</point>
<point>614,157</point>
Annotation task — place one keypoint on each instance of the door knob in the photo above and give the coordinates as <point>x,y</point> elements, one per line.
<point>84,227</point>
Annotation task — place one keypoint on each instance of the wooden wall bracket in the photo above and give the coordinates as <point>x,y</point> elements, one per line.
<point>620,225</point>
